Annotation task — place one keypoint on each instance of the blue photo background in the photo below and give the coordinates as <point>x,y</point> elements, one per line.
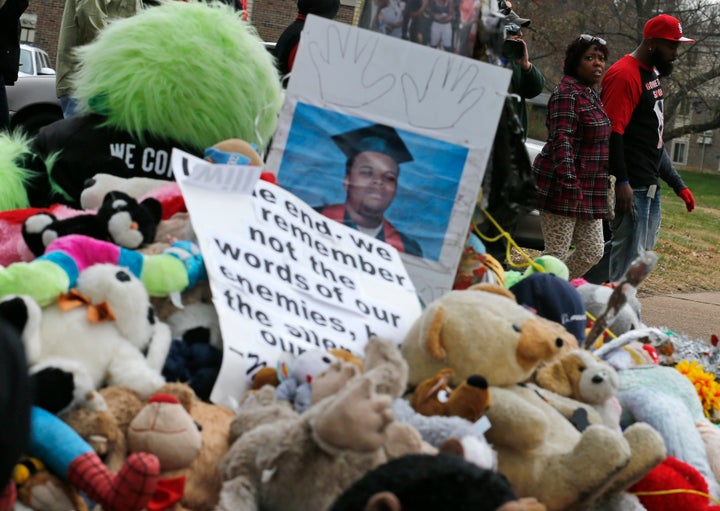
<point>313,168</point>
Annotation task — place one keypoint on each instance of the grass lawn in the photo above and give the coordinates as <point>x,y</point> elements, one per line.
<point>689,243</point>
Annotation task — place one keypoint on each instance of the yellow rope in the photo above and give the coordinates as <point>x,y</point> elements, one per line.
<point>508,258</point>
<point>672,492</point>
<point>510,245</point>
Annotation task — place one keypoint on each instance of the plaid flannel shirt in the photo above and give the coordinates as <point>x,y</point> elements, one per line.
<point>571,171</point>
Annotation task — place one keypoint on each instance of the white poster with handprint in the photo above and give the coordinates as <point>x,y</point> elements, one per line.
<point>391,138</point>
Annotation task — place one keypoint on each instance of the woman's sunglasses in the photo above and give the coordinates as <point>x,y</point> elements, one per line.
<point>592,39</point>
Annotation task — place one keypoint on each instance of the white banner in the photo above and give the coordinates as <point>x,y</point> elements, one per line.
<point>284,278</point>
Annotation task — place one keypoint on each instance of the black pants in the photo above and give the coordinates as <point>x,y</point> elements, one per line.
<point>4,110</point>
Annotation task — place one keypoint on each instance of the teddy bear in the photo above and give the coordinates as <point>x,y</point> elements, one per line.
<point>285,460</point>
<point>187,435</point>
<point>41,435</point>
<point>120,219</point>
<point>103,331</point>
<point>541,453</point>
<point>440,412</point>
<point>175,446</point>
<point>195,354</point>
<point>295,388</point>
<point>484,312</point>
<point>469,400</point>
<point>100,428</point>
<point>580,375</point>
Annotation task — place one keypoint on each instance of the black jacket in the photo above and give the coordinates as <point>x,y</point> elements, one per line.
<point>10,14</point>
<point>287,42</point>
<point>86,148</point>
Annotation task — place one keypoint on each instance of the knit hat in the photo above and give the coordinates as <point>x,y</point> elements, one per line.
<point>325,8</point>
<point>667,27</point>
<point>553,298</point>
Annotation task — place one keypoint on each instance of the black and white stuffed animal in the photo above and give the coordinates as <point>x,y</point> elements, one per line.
<point>104,332</point>
<point>120,219</point>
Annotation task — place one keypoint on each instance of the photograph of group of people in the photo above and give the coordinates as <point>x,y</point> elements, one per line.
<point>448,25</point>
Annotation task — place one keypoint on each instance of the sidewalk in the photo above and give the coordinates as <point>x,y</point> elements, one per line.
<point>696,315</point>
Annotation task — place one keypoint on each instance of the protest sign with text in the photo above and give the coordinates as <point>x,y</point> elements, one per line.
<point>284,278</point>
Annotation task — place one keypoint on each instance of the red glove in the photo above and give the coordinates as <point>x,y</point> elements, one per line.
<point>686,195</point>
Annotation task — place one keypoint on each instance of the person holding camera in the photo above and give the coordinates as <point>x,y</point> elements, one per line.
<point>508,186</point>
<point>571,171</point>
<point>527,81</point>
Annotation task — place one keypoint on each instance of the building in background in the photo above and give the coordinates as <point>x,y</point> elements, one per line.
<point>41,21</point>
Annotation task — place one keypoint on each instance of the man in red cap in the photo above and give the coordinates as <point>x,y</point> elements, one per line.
<point>633,99</point>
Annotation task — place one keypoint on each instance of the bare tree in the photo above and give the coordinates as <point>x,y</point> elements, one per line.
<point>692,92</point>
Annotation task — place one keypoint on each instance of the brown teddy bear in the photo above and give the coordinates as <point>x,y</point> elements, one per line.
<point>541,453</point>
<point>468,400</point>
<point>304,461</point>
<point>189,437</point>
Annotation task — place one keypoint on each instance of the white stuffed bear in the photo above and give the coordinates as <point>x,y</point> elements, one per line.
<point>103,332</point>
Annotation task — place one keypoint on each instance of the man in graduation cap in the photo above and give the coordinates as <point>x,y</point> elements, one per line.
<point>374,154</point>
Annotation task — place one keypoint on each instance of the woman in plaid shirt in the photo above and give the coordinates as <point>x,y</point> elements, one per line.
<point>571,171</point>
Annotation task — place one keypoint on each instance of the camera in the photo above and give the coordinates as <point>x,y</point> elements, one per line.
<point>512,49</point>
<point>513,29</point>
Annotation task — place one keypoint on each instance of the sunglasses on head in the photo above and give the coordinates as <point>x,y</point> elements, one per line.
<point>593,39</point>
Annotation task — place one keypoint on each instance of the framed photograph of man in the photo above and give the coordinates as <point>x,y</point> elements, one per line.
<point>375,178</point>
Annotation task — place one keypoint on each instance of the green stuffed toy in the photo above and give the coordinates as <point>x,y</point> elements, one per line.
<point>180,75</point>
<point>55,272</point>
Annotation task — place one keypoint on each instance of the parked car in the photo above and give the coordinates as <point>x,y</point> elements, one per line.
<point>32,99</point>
<point>528,233</point>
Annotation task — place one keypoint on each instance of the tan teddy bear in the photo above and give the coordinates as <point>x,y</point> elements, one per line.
<point>462,327</point>
<point>580,375</point>
<point>541,452</point>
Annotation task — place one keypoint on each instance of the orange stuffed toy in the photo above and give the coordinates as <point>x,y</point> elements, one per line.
<point>468,400</point>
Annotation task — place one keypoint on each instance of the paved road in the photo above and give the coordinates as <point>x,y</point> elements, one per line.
<point>696,315</point>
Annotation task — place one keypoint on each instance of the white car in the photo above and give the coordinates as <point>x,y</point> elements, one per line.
<point>32,99</point>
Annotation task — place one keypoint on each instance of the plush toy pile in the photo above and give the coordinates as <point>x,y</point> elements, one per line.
<point>500,397</point>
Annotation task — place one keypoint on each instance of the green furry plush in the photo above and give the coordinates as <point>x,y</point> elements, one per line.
<point>191,72</point>
<point>13,148</point>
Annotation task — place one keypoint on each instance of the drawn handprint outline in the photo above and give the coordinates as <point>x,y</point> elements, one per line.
<point>449,90</point>
<point>351,65</point>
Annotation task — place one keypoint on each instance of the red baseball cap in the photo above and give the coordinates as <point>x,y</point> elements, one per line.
<point>667,27</point>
